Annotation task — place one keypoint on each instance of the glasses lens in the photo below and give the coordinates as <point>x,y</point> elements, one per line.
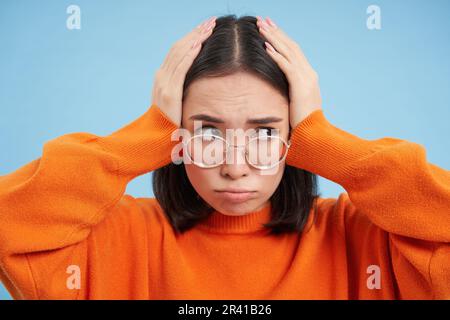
<point>206,150</point>
<point>265,152</point>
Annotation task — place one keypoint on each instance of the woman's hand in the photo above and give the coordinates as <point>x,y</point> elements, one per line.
<point>169,79</point>
<point>304,88</point>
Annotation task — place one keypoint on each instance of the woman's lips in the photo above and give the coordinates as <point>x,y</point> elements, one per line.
<point>236,197</point>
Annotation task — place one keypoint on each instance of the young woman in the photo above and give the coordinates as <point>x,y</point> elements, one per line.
<point>227,229</point>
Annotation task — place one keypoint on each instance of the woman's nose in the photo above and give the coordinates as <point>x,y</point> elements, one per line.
<point>235,164</point>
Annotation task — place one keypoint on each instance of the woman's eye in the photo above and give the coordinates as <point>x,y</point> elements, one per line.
<point>209,132</point>
<point>266,131</point>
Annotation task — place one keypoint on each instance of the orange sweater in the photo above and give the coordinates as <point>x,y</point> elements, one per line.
<point>64,220</point>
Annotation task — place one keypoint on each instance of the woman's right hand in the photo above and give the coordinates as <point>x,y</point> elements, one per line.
<point>169,79</point>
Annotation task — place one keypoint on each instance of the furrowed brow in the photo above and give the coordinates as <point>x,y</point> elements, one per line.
<point>206,117</point>
<point>265,120</point>
<point>209,118</point>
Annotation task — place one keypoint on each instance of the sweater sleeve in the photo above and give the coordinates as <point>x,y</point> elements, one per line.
<point>55,200</point>
<point>390,181</point>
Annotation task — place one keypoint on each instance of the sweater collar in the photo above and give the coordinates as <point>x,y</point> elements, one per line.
<point>246,223</point>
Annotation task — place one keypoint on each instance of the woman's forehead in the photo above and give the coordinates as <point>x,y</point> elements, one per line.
<point>235,108</point>
<point>236,93</point>
<point>232,111</point>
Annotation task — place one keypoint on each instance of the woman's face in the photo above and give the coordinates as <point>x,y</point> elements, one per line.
<point>233,100</point>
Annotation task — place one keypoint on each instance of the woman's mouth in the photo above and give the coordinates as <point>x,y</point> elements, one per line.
<point>236,197</point>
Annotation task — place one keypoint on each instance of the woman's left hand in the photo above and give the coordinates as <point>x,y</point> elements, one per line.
<point>304,91</point>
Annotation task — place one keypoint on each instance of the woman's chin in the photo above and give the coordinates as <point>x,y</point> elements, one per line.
<point>236,209</point>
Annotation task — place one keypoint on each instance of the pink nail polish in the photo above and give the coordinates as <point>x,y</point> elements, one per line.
<point>264,26</point>
<point>195,45</point>
<point>204,23</point>
<point>211,20</point>
<point>269,46</point>
<point>210,23</point>
<point>270,22</point>
<point>208,29</point>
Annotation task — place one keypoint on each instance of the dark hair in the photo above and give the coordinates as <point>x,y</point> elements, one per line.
<point>236,45</point>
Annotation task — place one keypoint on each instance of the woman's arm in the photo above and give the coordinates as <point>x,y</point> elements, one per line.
<point>55,200</point>
<point>56,209</point>
<point>390,181</point>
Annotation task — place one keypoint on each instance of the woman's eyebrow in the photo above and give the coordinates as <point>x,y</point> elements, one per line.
<point>209,118</point>
<point>206,117</point>
<point>265,120</point>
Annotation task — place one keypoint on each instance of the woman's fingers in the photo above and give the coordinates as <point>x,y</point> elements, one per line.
<point>182,46</point>
<point>304,91</point>
<point>188,51</point>
<point>282,62</point>
<point>275,36</point>
<point>192,49</point>
<point>167,90</point>
<point>283,44</point>
<point>196,31</point>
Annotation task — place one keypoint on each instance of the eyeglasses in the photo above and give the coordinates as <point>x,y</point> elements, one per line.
<point>261,152</point>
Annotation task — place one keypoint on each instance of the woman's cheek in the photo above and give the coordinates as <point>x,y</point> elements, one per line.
<point>270,182</point>
<point>200,178</point>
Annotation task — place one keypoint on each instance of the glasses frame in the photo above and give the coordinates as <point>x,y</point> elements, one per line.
<point>229,145</point>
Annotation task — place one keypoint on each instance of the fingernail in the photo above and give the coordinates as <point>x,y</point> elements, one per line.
<point>270,21</point>
<point>208,29</point>
<point>211,20</point>
<point>269,46</point>
<point>264,25</point>
<point>205,23</point>
<point>195,45</point>
<point>209,24</point>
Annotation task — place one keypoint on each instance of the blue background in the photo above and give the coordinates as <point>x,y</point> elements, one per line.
<point>375,83</point>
